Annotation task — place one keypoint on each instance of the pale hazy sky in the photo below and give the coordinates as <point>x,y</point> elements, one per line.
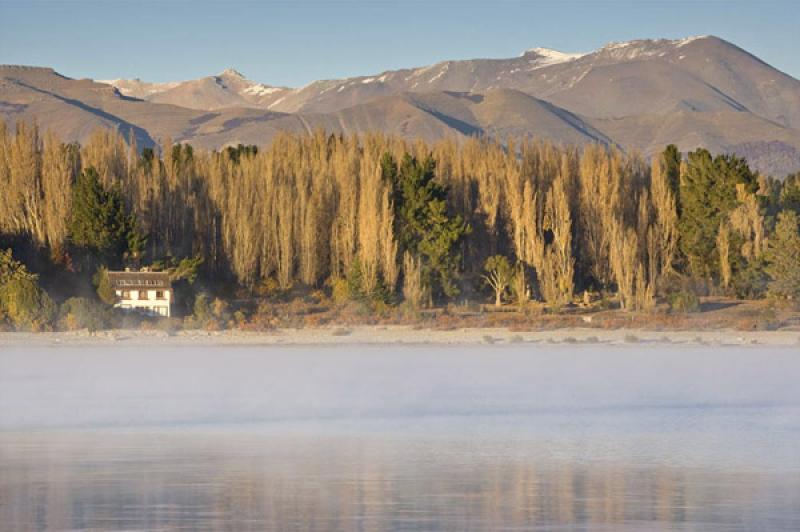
<point>295,42</point>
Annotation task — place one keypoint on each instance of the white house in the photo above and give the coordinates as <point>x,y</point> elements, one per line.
<point>145,291</point>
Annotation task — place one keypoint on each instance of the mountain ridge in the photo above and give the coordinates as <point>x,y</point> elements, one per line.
<point>639,95</point>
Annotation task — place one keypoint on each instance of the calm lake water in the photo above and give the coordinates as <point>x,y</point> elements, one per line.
<point>519,437</point>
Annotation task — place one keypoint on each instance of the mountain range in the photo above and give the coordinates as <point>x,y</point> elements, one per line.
<point>637,95</point>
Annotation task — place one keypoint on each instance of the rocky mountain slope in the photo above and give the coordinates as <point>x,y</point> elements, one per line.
<point>639,95</point>
<point>228,89</point>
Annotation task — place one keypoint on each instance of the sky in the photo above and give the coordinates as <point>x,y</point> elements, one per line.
<point>292,43</point>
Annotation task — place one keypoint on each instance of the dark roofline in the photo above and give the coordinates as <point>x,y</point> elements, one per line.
<point>165,275</point>
<point>139,280</point>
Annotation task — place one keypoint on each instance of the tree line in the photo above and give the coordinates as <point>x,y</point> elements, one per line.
<point>407,221</point>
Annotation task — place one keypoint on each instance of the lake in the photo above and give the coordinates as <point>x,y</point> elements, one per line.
<point>382,438</point>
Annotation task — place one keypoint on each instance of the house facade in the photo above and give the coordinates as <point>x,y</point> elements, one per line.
<point>144,291</point>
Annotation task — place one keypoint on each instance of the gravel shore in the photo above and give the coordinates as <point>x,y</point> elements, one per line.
<point>399,334</point>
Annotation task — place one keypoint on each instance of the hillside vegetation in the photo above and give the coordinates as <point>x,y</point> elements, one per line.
<point>381,225</point>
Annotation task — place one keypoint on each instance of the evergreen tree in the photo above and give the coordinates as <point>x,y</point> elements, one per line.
<point>103,286</point>
<point>783,256</point>
<point>307,207</point>
<point>100,223</point>
<point>707,194</point>
<point>790,193</point>
<point>672,168</point>
<point>423,225</point>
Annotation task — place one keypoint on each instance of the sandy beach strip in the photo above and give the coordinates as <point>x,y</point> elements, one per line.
<point>399,334</point>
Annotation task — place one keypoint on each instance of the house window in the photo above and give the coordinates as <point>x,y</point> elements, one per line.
<point>142,295</point>
<point>159,294</point>
<point>126,294</point>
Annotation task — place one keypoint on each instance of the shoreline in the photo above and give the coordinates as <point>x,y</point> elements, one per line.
<point>402,335</point>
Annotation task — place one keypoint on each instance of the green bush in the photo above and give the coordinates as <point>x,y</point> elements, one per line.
<point>26,305</point>
<point>203,313</point>
<point>103,285</point>
<point>209,314</point>
<point>751,282</point>
<point>82,313</point>
<point>684,301</point>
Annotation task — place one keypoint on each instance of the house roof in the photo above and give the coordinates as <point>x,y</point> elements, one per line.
<point>139,280</point>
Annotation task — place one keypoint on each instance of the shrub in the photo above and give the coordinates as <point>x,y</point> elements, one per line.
<point>684,301</point>
<point>82,313</point>
<point>203,312</point>
<point>605,302</point>
<point>382,309</point>
<point>355,282</point>
<point>169,325</point>
<point>340,291</point>
<point>240,318</point>
<point>220,310</point>
<point>26,305</point>
<point>751,281</point>
<point>268,288</point>
<point>264,318</point>
<point>103,285</point>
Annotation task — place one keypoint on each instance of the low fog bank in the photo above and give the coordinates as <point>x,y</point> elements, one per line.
<point>137,387</point>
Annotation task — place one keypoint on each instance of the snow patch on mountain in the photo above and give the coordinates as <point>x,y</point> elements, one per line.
<point>552,57</point>
<point>545,57</point>
<point>259,89</point>
<point>442,71</point>
<point>687,40</point>
<point>138,88</point>
<point>643,48</point>
<point>276,102</point>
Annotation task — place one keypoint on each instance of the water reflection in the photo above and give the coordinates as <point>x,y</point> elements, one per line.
<point>310,481</point>
<point>400,438</point>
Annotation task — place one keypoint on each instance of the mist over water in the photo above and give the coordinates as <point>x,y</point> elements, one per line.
<point>587,437</point>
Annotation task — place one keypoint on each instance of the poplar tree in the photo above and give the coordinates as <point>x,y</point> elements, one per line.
<point>309,207</point>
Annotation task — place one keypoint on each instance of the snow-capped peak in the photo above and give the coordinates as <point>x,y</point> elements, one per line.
<point>555,56</point>
<point>643,48</point>
<point>687,40</point>
<point>547,56</point>
<point>651,43</point>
